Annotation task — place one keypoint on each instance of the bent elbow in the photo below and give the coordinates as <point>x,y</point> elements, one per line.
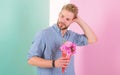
<point>92,41</point>
<point>29,61</point>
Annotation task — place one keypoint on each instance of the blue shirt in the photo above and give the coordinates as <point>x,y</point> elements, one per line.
<point>47,45</point>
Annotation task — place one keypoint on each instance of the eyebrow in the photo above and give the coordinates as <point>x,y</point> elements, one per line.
<point>63,16</point>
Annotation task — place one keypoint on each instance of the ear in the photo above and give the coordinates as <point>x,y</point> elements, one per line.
<point>72,21</point>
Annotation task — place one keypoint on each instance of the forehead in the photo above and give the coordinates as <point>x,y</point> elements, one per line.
<point>67,14</point>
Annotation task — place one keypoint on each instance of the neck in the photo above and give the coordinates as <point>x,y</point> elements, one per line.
<point>63,32</point>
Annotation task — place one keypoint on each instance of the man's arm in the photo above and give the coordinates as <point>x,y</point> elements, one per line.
<point>86,29</point>
<point>43,63</point>
<point>39,62</point>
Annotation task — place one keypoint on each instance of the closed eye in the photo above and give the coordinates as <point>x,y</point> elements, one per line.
<point>67,19</point>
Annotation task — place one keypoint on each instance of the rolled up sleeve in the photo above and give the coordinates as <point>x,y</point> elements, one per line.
<point>37,46</point>
<point>79,39</point>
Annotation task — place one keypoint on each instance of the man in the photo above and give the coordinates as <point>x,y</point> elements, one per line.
<point>45,51</point>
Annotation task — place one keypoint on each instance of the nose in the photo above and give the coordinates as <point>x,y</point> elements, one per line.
<point>63,20</point>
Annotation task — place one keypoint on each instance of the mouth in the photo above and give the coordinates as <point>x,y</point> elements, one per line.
<point>62,25</point>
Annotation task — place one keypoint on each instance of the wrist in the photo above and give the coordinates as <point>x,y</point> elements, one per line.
<point>53,63</point>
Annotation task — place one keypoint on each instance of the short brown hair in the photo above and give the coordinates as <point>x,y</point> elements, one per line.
<point>72,8</point>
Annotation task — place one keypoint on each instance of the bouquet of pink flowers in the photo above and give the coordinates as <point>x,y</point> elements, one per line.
<point>68,49</point>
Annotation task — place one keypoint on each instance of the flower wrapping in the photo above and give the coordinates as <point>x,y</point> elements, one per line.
<point>68,49</point>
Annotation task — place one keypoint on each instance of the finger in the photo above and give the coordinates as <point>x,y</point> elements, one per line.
<point>63,58</point>
<point>67,57</point>
<point>65,61</point>
<point>64,65</point>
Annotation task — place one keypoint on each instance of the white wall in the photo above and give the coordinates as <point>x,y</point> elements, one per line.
<point>55,7</point>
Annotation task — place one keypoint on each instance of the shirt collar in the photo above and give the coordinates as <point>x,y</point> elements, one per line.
<point>55,26</point>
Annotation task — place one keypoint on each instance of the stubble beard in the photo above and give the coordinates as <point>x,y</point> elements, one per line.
<point>62,26</point>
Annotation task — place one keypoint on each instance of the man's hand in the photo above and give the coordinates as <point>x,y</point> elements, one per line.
<point>62,62</point>
<point>77,20</point>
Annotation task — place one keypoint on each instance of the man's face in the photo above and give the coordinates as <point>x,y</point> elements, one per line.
<point>65,19</point>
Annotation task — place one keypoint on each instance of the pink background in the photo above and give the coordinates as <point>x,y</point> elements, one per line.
<point>102,57</point>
